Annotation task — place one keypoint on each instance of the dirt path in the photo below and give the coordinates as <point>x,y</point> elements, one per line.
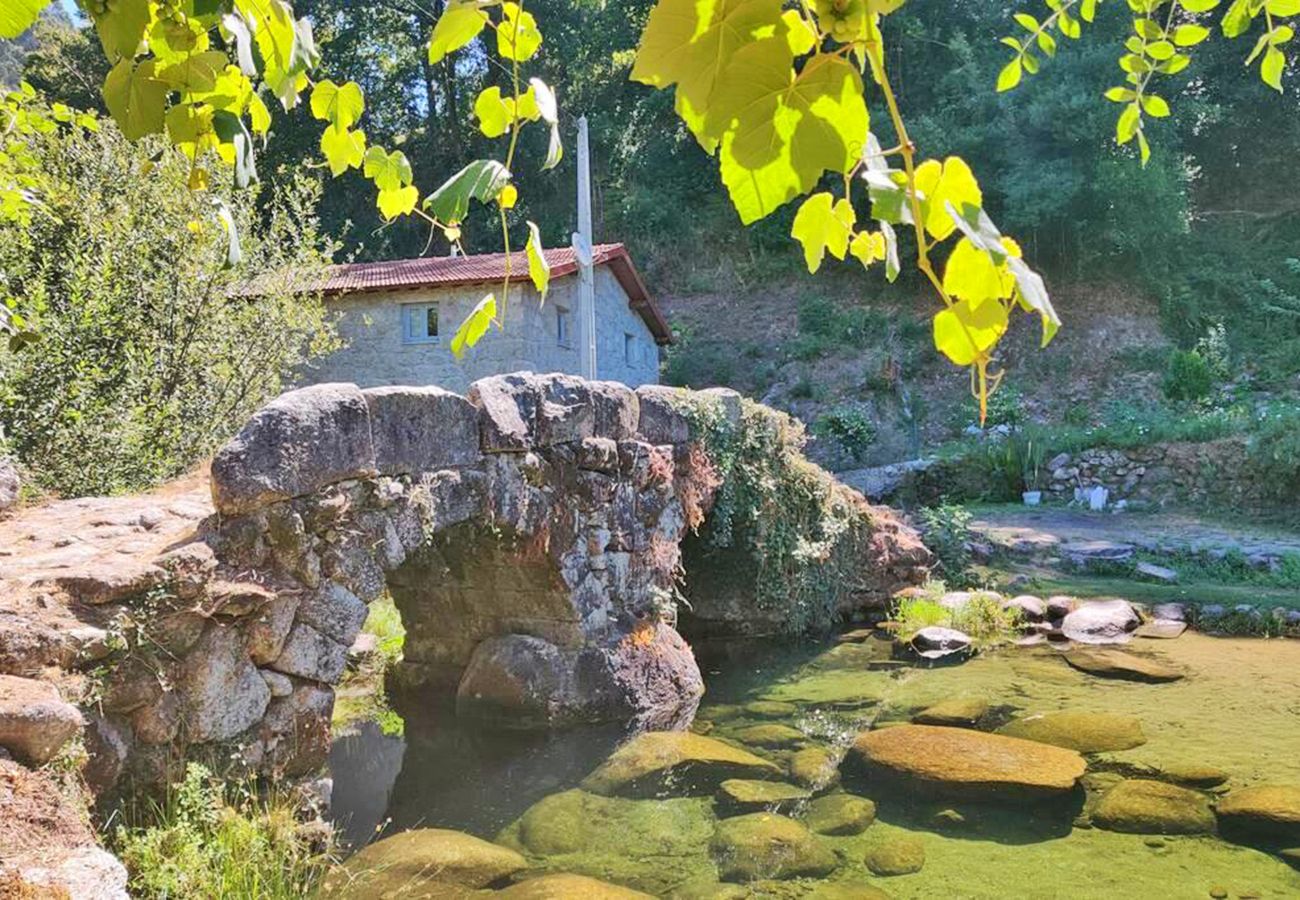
<point>1026,529</point>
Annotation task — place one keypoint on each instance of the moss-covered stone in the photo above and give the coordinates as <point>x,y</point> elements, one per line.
<point>1086,732</point>
<point>569,887</point>
<point>695,764</point>
<point>959,711</point>
<point>846,890</point>
<point>650,845</point>
<point>1194,774</point>
<point>896,855</point>
<point>765,845</point>
<point>814,767</point>
<point>1268,812</point>
<point>840,814</point>
<point>771,734</point>
<point>1109,663</point>
<point>770,709</point>
<point>740,795</point>
<point>424,864</point>
<point>1139,806</point>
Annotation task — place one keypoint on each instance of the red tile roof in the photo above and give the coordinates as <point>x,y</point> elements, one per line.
<point>452,271</point>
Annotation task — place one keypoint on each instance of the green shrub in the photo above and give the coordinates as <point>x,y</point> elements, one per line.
<point>849,426</point>
<point>981,617</point>
<point>911,614</point>
<point>1005,407</point>
<point>151,351</point>
<point>1188,376</point>
<point>206,840</point>
<point>947,531</point>
<point>1273,453</point>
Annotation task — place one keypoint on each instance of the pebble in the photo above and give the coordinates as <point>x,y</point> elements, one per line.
<point>1218,892</point>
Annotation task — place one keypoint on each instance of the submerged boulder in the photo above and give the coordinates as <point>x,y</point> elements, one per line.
<point>957,711</point>
<point>935,641</point>
<point>965,763</point>
<point>896,855</point>
<point>746,795</point>
<point>770,735</point>
<point>567,887</point>
<point>1111,663</point>
<point>765,845</point>
<point>1266,812</point>
<point>1087,732</point>
<point>840,814</point>
<point>1101,622</point>
<point>815,767</point>
<point>695,764</point>
<point>424,863</point>
<point>1139,806</point>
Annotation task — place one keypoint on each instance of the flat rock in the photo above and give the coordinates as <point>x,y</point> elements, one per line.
<point>771,735</point>
<point>1111,663</point>
<point>1101,622</point>
<point>1086,732</point>
<point>421,429</point>
<point>748,795</point>
<point>960,711</point>
<point>1152,572</point>
<point>1138,806</point>
<point>965,763</point>
<point>80,873</point>
<point>423,863</point>
<point>1268,812</point>
<point>1194,774</point>
<point>770,709</point>
<point>845,890</point>
<point>569,887</point>
<point>898,855</point>
<point>35,722</point>
<point>1161,629</point>
<point>840,814</point>
<point>1084,553</point>
<point>935,641</point>
<point>765,845</point>
<point>696,764</point>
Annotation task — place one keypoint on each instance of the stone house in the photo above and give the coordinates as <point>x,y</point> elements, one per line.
<point>397,319</point>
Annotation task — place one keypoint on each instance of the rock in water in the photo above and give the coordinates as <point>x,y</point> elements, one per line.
<point>770,709</point>
<point>425,863</point>
<point>1138,806</point>
<point>765,845</point>
<point>569,887</point>
<point>1109,663</point>
<point>960,762</point>
<point>957,711</point>
<point>845,890</point>
<point>815,767</point>
<point>1101,622</point>
<point>935,641</point>
<point>1268,812</point>
<point>35,723</point>
<point>695,763</point>
<point>900,855</point>
<point>771,735</point>
<point>840,814</point>
<point>1087,732</point>
<point>746,796</point>
<point>1161,629</point>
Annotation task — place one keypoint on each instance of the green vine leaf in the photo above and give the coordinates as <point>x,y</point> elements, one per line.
<point>482,180</point>
<point>940,184</point>
<point>394,202</point>
<point>539,270</point>
<point>475,326</point>
<point>16,16</point>
<point>822,225</point>
<point>389,171</point>
<point>121,28</point>
<point>462,21</point>
<point>965,334</point>
<point>517,36</point>
<point>342,149</point>
<point>341,106</point>
<point>136,99</point>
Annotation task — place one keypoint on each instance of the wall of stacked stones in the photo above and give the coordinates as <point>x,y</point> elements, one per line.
<point>333,494</point>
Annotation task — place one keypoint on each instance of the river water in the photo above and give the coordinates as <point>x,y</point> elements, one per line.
<point>1237,710</point>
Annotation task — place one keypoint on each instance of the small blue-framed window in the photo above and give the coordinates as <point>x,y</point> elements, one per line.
<point>419,323</point>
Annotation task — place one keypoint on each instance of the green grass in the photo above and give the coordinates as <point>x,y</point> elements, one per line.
<point>981,618</point>
<point>206,839</point>
<point>361,696</point>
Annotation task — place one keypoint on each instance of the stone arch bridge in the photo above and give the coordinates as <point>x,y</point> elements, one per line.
<point>529,533</point>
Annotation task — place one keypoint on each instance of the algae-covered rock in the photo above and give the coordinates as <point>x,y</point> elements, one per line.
<point>1087,732</point>
<point>770,709</point>
<point>841,688</point>
<point>1266,812</point>
<point>1194,774</point>
<point>695,764</point>
<point>569,887</point>
<point>425,863</point>
<point>765,845</point>
<point>742,795</point>
<point>965,763</point>
<point>840,814</point>
<point>1109,663</point>
<point>957,711</point>
<point>814,767</point>
<point>770,735</point>
<point>1138,806</point>
<point>896,855</point>
<point>845,890</point>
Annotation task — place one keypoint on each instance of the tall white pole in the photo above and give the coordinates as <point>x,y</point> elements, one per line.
<point>583,244</point>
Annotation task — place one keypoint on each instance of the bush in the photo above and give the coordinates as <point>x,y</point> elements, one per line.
<point>206,840</point>
<point>850,427</point>
<point>1273,453</point>
<point>151,352</point>
<point>947,530</point>
<point>1188,376</point>
<point>981,617</point>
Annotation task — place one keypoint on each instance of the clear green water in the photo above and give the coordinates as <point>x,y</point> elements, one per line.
<point>1237,709</point>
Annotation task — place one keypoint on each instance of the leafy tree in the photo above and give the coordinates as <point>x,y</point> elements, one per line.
<point>151,350</point>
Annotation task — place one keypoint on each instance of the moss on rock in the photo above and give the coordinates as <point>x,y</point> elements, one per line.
<point>1139,806</point>
<point>765,845</point>
<point>1086,732</point>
